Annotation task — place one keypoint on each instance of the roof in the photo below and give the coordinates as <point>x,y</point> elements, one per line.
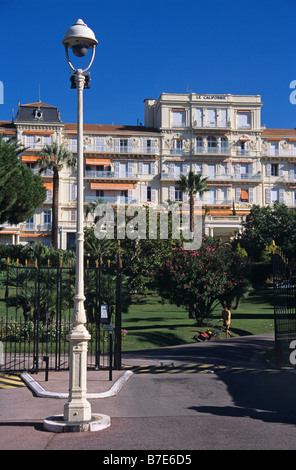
<point>115,129</point>
<point>38,113</point>
<point>284,133</point>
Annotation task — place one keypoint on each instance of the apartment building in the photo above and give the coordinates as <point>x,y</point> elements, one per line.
<point>218,136</point>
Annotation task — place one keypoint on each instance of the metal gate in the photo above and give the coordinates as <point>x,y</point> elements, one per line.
<point>36,308</point>
<point>284,307</point>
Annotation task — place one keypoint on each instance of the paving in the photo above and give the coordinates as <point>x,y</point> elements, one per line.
<point>220,395</point>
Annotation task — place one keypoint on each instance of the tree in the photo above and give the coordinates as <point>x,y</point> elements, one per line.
<point>20,191</point>
<point>267,224</point>
<point>54,157</point>
<point>192,184</point>
<point>200,280</point>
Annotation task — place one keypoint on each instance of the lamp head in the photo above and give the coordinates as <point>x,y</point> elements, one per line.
<point>79,38</point>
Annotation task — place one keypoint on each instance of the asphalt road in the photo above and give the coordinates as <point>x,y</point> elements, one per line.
<point>215,396</point>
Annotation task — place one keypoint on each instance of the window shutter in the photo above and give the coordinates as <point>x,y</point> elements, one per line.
<point>116,169</point>
<point>251,195</point>
<point>237,194</point>
<point>268,169</point>
<point>172,193</point>
<point>140,168</point>
<point>153,195</point>
<point>281,195</point>
<point>152,167</point>
<point>117,145</point>
<point>144,193</point>
<point>130,169</point>
<point>268,196</point>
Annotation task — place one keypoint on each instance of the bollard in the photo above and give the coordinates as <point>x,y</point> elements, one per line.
<point>46,360</point>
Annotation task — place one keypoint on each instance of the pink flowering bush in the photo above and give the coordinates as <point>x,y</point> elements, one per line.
<point>200,280</point>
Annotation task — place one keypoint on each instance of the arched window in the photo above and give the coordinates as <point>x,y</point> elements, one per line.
<point>212,142</point>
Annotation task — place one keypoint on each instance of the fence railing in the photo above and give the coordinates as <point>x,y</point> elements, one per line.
<point>36,308</point>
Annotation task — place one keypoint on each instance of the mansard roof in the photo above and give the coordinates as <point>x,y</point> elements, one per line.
<point>38,113</point>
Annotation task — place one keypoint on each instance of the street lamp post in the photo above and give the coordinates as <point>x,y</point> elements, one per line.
<point>79,38</point>
<point>77,411</point>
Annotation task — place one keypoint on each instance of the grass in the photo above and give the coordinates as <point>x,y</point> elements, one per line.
<point>151,324</point>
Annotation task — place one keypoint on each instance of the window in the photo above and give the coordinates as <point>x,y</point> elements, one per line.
<point>211,196</point>
<point>73,144</point>
<point>73,195</point>
<point>274,148</point>
<point>30,141</point>
<point>243,120</point>
<point>47,139</point>
<point>198,118</point>
<point>211,171</point>
<point>244,195</point>
<point>199,144</point>
<point>178,118</point>
<point>211,118</point>
<point>123,145</point>
<point>146,168</point>
<point>178,146</point>
<point>178,195</point>
<point>274,169</point>
<point>223,117</point>
<point>212,142</point>
<point>149,146</point>
<point>99,144</point>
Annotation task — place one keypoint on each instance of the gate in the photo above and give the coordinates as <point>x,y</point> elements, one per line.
<point>284,307</point>
<point>36,308</point>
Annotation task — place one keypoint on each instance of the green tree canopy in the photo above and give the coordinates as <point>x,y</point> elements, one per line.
<point>267,224</point>
<point>20,191</point>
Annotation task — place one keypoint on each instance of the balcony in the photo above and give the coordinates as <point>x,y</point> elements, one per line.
<point>113,148</point>
<point>224,150</point>
<point>96,174</point>
<point>111,199</point>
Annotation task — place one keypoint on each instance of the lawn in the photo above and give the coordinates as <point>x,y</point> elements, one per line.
<point>151,324</point>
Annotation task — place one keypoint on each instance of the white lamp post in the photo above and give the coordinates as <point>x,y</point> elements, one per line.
<point>77,411</point>
<point>79,38</point>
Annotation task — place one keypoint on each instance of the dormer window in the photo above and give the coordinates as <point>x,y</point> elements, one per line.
<point>38,114</point>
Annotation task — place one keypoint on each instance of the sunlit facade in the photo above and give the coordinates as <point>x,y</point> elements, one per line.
<point>218,136</point>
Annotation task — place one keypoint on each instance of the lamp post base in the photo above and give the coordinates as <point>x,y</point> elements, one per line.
<point>77,409</point>
<point>58,424</point>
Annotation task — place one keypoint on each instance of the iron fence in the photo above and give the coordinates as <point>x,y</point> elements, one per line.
<point>36,308</point>
<point>284,307</point>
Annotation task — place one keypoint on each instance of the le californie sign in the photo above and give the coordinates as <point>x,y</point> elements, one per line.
<point>211,97</point>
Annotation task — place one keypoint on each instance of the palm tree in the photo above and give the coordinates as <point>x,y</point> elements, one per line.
<point>54,157</point>
<point>192,184</point>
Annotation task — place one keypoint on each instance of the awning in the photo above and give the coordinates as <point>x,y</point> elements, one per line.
<point>245,194</point>
<point>38,132</point>
<point>97,161</point>
<point>111,186</point>
<point>29,158</point>
<point>48,186</point>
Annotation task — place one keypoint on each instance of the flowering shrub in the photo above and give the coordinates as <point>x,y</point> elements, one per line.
<point>201,279</point>
<point>123,333</point>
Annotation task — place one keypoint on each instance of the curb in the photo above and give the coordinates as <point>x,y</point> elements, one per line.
<point>40,392</point>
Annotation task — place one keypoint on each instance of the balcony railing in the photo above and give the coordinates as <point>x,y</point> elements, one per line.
<point>118,149</point>
<point>111,199</point>
<point>108,174</point>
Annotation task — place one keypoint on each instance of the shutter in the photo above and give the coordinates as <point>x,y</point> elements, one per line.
<point>117,145</point>
<point>184,169</point>
<point>152,168</point>
<point>223,117</point>
<point>198,117</point>
<point>130,195</point>
<point>237,194</point>
<point>281,170</point>
<point>268,196</point>
<point>282,195</point>
<point>251,195</point>
<point>153,195</point>
<point>116,169</point>
<point>130,169</point>
<point>171,170</point>
<point>140,168</point>
<point>172,193</point>
<point>268,169</point>
<point>144,145</point>
<point>130,145</point>
<point>144,193</point>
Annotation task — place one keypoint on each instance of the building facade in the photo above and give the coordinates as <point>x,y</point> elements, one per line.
<point>218,136</point>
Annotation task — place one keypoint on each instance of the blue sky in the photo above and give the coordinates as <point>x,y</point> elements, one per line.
<point>149,47</point>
